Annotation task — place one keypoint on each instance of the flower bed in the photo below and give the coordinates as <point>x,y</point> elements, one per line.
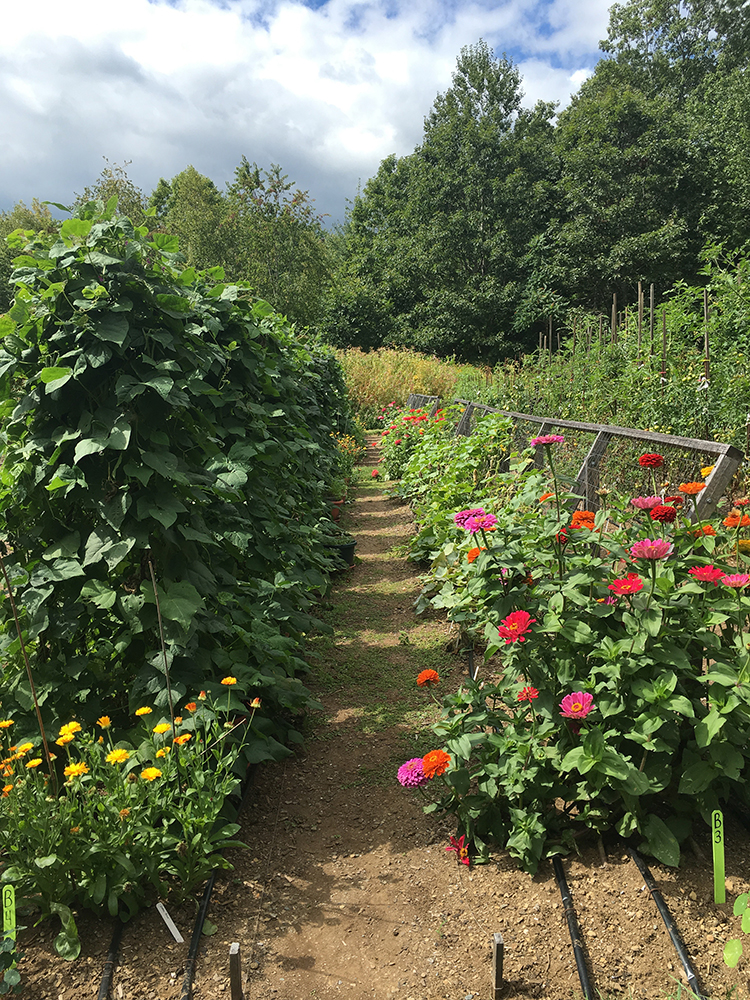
<point>615,688</point>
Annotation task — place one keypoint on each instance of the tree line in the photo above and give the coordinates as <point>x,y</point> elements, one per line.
<point>503,216</point>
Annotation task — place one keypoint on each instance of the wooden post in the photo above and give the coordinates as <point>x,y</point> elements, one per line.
<point>706,358</point>
<point>540,345</point>
<point>498,953</point>
<point>573,354</point>
<point>550,333</point>
<point>613,325</point>
<point>235,971</point>
<point>640,318</point>
<point>651,321</point>
<point>663,349</point>
<point>601,330</point>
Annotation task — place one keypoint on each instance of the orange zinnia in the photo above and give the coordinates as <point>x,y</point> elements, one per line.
<point>435,763</point>
<point>545,496</point>
<point>691,488</point>
<point>736,520</point>
<point>428,678</point>
<point>583,519</point>
<point>472,554</point>
<point>706,529</point>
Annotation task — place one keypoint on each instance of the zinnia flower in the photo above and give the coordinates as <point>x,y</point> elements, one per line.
<point>675,501</point>
<point>514,627</point>
<point>463,516</point>
<point>117,756</point>
<point>646,503</point>
<point>736,580</point>
<point>482,522</point>
<point>461,849</point>
<point>75,770</point>
<point>472,554</point>
<point>545,496</point>
<point>435,763</point>
<point>427,678</point>
<point>105,722</point>
<point>651,461</point>
<point>151,773</point>
<point>630,584</point>
<point>411,774</point>
<point>143,711</point>
<point>528,693</point>
<point>691,488</point>
<point>647,549</point>
<point>705,529</point>
<point>375,473</point>
<point>735,520</point>
<point>562,537</point>
<point>707,574</point>
<point>576,705</point>
<point>163,727</point>
<point>582,519</point>
<point>663,514</point>
<point>228,681</point>
<point>546,439</point>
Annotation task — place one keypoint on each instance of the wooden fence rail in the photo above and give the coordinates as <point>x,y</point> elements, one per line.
<point>727,458</point>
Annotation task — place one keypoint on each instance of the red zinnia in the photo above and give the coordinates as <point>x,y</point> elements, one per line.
<point>461,848</point>
<point>528,693</point>
<point>651,461</point>
<point>664,514</point>
<point>631,584</point>
<point>514,627</point>
<point>707,574</point>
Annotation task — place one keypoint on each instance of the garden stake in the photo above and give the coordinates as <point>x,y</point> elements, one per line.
<point>52,772</point>
<point>235,971</point>
<point>573,928</point>
<point>111,962</point>
<point>171,925</point>
<point>9,911</point>
<point>498,952</point>
<point>717,842</point>
<point>668,923</point>
<point>163,648</point>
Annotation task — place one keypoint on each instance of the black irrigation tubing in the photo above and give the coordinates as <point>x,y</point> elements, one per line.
<point>668,923</point>
<point>575,933</point>
<point>195,940</point>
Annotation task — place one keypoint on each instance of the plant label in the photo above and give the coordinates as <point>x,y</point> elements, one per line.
<point>9,911</point>
<point>170,923</point>
<point>717,841</point>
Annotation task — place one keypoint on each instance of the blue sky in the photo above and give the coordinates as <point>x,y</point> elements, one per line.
<point>325,89</point>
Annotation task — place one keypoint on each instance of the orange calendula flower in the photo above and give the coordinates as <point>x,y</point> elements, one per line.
<point>6,723</point>
<point>228,681</point>
<point>435,763</point>
<point>75,829</point>
<point>427,678</point>
<point>151,773</point>
<point>124,813</point>
<point>472,554</point>
<point>255,703</point>
<point>163,727</point>
<point>6,789</point>
<point>181,740</point>
<point>143,711</point>
<point>24,748</point>
<point>202,696</point>
<point>117,756</point>
<point>191,707</point>
<point>105,722</point>
<point>691,488</point>
<point>163,752</point>
<point>34,763</point>
<point>76,770</point>
<point>178,720</point>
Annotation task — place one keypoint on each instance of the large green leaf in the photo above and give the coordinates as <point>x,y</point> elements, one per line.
<point>661,841</point>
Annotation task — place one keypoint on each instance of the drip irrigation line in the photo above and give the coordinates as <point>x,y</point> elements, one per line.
<point>187,982</point>
<point>575,932</point>
<point>668,923</point>
<point>111,962</point>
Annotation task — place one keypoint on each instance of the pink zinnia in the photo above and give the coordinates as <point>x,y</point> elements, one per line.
<point>485,521</point>
<point>411,774</point>
<point>546,439</point>
<point>631,584</point>
<point>646,503</point>
<point>463,516</point>
<point>576,705</point>
<point>513,627</point>
<point>648,549</point>
<point>707,574</point>
<point>736,580</point>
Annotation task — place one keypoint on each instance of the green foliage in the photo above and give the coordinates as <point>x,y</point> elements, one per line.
<point>153,413</point>
<point>10,983</point>
<point>664,739</point>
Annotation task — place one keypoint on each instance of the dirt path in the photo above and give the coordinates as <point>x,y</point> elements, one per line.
<point>347,890</point>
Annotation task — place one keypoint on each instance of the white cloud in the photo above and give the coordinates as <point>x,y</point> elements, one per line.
<point>325,92</point>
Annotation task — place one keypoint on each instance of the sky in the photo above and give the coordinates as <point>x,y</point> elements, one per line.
<point>326,88</point>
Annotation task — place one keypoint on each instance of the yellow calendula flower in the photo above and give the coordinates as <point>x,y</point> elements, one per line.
<point>105,722</point>
<point>707,470</point>
<point>34,763</point>
<point>143,711</point>
<point>76,770</point>
<point>163,727</point>
<point>228,681</point>
<point>24,748</point>
<point>65,738</point>
<point>163,752</point>
<point>70,728</point>
<point>6,723</point>
<point>150,773</point>
<point>6,789</point>
<point>117,756</point>
<point>744,544</point>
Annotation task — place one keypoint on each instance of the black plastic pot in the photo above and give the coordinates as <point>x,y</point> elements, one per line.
<point>344,549</point>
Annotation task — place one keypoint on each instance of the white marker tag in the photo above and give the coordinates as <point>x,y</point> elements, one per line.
<point>170,923</point>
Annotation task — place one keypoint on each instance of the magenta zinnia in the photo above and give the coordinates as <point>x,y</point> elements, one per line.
<point>736,580</point>
<point>707,574</point>
<point>646,503</point>
<point>630,584</point>
<point>411,774</point>
<point>648,549</point>
<point>482,522</point>
<point>461,848</point>
<point>576,705</point>
<point>463,516</point>
<point>514,627</point>
<point>546,439</point>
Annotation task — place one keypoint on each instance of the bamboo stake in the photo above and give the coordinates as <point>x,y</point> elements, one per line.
<point>663,349</point>
<point>613,327</point>
<point>640,318</point>
<point>601,330</point>
<point>706,358</point>
<point>651,320</point>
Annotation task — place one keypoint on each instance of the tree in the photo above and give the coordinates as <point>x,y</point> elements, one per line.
<point>114,180</point>
<point>37,219</point>
<point>192,208</point>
